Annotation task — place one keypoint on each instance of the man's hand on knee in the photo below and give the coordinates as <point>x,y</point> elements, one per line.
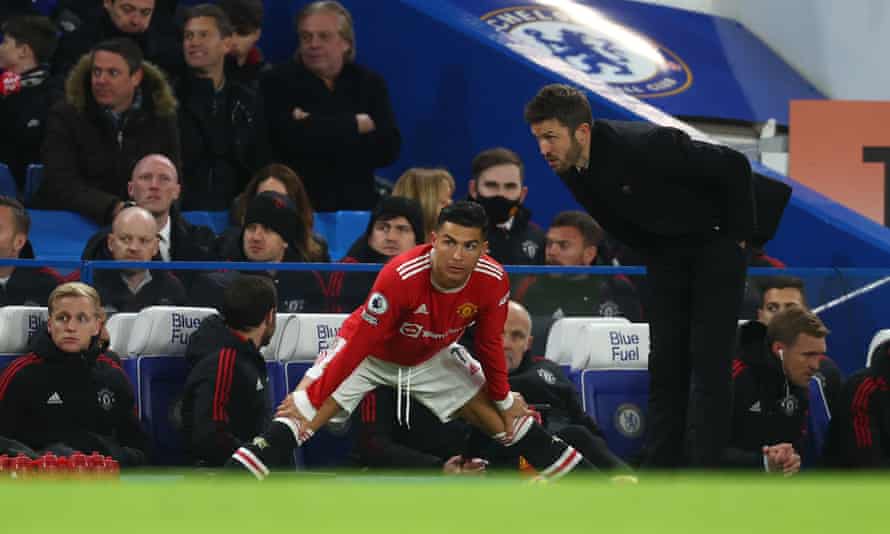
<point>513,415</point>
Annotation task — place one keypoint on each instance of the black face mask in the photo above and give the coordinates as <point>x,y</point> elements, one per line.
<point>498,208</point>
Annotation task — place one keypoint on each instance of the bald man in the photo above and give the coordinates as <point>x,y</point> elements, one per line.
<point>134,237</point>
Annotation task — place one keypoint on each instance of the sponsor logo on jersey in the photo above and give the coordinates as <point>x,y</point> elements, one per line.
<point>421,310</point>
<point>583,39</point>
<point>377,304</point>
<point>467,310</point>
<point>106,399</point>
<point>411,330</point>
<point>55,399</point>
<point>628,420</point>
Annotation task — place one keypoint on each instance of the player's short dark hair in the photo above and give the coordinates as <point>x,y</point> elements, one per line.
<point>564,103</point>
<point>591,231</point>
<point>247,300</point>
<point>464,213</point>
<point>19,216</point>
<point>39,33</point>
<point>223,24</point>
<point>789,323</point>
<point>781,282</point>
<point>125,48</point>
<point>494,157</point>
<point>246,15</point>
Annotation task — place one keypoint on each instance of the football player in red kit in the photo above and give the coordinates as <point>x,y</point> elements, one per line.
<point>404,336</point>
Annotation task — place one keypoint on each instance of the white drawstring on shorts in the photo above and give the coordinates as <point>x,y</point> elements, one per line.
<point>407,393</point>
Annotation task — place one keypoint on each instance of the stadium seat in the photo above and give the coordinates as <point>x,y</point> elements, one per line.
<point>217,221</point>
<point>17,325</point>
<point>33,178</point>
<point>119,327</point>
<point>341,229</point>
<point>59,235</point>
<point>818,419</point>
<point>880,337</point>
<point>562,342</point>
<point>615,383</point>
<point>274,365</point>
<point>7,182</point>
<point>301,343</point>
<point>159,338</point>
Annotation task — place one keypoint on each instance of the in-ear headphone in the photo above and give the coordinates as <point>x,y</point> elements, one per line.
<point>781,354</point>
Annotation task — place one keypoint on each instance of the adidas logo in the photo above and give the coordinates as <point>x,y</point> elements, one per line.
<point>755,408</point>
<point>421,310</point>
<point>55,399</point>
<point>259,385</point>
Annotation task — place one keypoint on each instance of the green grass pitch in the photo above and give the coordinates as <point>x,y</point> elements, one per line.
<point>304,503</point>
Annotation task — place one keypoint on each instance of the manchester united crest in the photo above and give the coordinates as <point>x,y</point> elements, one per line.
<point>467,310</point>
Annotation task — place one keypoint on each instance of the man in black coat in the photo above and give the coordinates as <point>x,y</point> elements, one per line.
<point>227,397</point>
<point>220,120</point>
<point>498,184</point>
<point>330,119</point>
<point>26,91</point>
<point>28,286</point>
<point>689,206</point>
<point>67,395</point>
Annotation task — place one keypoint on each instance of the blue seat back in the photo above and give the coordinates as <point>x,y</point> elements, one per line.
<point>161,382</point>
<point>7,182</point>
<point>217,221</point>
<point>33,178</point>
<point>59,235</point>
<point>617,400</point>
<point>341,229</point>
<point>818,420</point>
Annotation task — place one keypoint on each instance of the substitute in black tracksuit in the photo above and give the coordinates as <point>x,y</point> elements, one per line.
<point>57,401</point>
<point>227,400</point>
<point>860,429</point>
<point>690,208</point>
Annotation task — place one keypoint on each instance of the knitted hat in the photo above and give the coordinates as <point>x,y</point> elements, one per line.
<point>276,212</point>
<point>391,207</point>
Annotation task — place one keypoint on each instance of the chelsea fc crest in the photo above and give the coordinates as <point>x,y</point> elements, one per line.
<point>628,420</point>
<point>584,39</point>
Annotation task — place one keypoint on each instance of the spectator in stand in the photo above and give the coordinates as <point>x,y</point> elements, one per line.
<point>498,185</point>
<point>67,395</point>
<point>279,179</point>
<point>432,188</point>
<point>154,185</point>
<point>16,8</point>
<point>134,237</point>
<point>268,235</point>
<point>116,111</point>
<point>396,226</point>
<point>133,19</point>
<point>227,398</point>
<point>21,286</point>
<point>573,239</point>
<point>245,62</point>
<point>859,436</point>
<point>220,120</point>
<point>770,396</point>
<point>330,119</point>
<point>26,92</point>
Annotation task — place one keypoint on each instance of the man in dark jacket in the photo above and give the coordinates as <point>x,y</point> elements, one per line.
<point>396,226</point>
<point>21,285</point>
<point>268,235</point>
<point>227,397</point>
<point>859,436</point>
<point>574,239</point>
<point>134,237</point>
<point>220,120</point>
<point>26,92</point>
<point>245,62</point>
<point>770,395</point>
<point>330,119</point>
<point>66,395</point>
<point>497,184</point>
<point>117,110</point>
<point>689,206</point>
<point>114,19</point>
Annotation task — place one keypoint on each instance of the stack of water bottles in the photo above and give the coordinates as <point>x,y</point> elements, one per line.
<point>78,466</point>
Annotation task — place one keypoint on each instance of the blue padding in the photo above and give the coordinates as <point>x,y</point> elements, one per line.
<point>131,369</point>
<point>7,359</point>
<point>277,383</point>
<point>32,181</point>
<point>818,419</point>
<point>573,375</point>
<point>332,444</point>
<point>617,400</point>
<point>59,235</point>
<point>217,221</point>
<point>161,382</point>
<point>7,182</point>
<point>341,229</point>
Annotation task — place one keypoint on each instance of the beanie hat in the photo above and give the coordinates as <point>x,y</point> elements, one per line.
<point>391,207</point>
<point>276,212</point>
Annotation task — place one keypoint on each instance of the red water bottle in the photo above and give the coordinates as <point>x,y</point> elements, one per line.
<point>77,464</point>
<point>21,467</point>
<point>4,466</point>
<point>96,465</point>
<point>113,468</point>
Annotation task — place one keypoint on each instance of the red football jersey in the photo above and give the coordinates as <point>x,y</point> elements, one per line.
<point>406,320</point>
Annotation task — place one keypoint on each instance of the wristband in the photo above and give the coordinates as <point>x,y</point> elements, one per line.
<point>506,404</point>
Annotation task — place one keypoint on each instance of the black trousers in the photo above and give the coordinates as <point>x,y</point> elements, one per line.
<point>696,287</point>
